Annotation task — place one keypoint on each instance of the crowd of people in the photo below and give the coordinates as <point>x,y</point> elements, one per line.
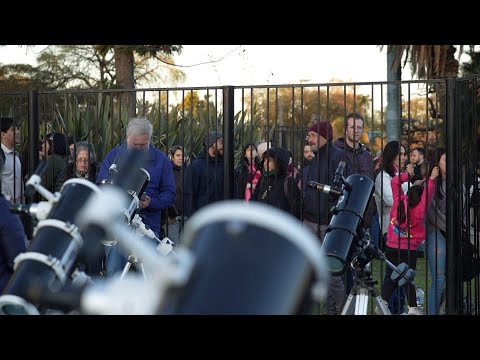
<point>407,213</point>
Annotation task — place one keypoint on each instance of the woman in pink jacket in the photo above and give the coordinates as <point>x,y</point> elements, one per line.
<point>407,229</point>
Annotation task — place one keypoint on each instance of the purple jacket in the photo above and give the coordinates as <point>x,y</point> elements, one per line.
<point>358,161</point>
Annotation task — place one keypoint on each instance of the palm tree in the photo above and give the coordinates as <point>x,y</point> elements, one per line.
<point>430,62</point>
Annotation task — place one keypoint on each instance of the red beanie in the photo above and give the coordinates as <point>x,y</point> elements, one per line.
<point>324,129</point>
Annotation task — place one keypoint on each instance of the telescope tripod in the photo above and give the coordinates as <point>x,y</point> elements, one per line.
<point>357,301</point>
<point>133,260</point>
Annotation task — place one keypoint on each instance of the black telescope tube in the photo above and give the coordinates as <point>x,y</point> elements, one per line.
<point>341,234</point>
<point>51,241</point>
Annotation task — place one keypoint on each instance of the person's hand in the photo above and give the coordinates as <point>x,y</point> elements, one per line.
<point>171,220</point>
<point>410,169</point>
<point>145,203</point>
<point>434,173</point>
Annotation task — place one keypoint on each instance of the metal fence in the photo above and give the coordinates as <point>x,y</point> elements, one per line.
<point>428,114</point>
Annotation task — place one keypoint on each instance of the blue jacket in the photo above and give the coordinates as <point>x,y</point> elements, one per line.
<point>160,189</point>
<point>316,205</point>
<point>12,241</point>
<point>203,183</point>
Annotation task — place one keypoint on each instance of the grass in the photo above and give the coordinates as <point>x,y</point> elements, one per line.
<point>422,280</point>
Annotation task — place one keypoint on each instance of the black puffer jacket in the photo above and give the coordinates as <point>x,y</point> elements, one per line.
<point>271,189</point>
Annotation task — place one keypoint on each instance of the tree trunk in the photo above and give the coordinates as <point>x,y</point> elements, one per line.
<point>393,98</point>
<point>124,76</point>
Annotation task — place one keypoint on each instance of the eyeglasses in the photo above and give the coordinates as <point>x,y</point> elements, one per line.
<point>311,136</point>
<point>82,161</point>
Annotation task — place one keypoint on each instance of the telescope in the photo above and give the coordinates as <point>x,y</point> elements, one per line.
<point>57,244</point>
<point>238,259</point>
<point>135,183</point>
<point>124,296</point>
<point>249,259</point>
<point>346,226</point>
<point>49,260</point>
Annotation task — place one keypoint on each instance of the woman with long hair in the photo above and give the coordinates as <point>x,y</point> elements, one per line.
<point>436,232</point>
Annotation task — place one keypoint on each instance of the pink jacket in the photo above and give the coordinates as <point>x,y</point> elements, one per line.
<point>417,216</point>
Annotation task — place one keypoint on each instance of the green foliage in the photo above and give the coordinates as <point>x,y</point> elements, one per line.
<point>101,119</point>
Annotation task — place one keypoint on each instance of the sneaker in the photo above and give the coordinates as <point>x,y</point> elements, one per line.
<point>415,310</point>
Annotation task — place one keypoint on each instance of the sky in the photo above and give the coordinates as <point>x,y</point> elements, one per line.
<point>261,64</point>
<point>246,65</point>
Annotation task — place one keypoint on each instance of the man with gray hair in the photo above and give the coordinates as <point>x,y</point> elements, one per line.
<point>160,191</point>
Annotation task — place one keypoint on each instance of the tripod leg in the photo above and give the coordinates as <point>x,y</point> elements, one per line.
<point>361,303</point>
<point>125,269</point>
<point>142,269</point>
<point>349,304</point>
<point>381,306</point>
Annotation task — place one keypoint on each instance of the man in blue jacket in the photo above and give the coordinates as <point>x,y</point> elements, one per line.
<point>12,236</point>
<point>204,177</point>
<point>160,191</point>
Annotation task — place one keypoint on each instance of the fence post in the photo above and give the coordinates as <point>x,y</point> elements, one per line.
<point>453,292</point>
<point>33,133</point>
<point>228,141</point>
<point>394,118</point>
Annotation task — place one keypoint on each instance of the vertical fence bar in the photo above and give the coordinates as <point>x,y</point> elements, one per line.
<point>452,208</point>
<point>33,134</point>
<point>228,141</point>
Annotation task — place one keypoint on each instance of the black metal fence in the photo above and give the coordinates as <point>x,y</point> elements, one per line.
<point>428,114</point>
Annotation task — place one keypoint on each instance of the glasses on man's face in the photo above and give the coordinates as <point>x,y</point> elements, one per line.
<point>313,136</point>
<point>82,161</point>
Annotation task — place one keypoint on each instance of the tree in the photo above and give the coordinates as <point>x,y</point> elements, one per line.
<point>125,64</point>
<point>430,62</point>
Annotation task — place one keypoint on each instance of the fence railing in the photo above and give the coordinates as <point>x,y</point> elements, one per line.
<point>431,114</point>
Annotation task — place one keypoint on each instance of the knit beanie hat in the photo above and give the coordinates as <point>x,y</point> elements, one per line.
<point>212,138</point>
<point>324,129</point>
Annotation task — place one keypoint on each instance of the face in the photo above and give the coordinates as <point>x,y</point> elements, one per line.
<point>307,152</point>
<point>72,149</point>
<point>269,164</point>
<point>45,148</point>
<point>442,164</point>
<point>316,142</point>
<point>354,130</point>
<point>217,147</point>
<point>82,164</point>
<point>138,142</point>
<point>416,157</point>
<point>178,157</point>
<point>250,153</point>
<point>11,137</point>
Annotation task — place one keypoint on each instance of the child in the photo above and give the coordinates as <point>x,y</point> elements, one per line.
<point>275,187</point>
<point>407,230</point>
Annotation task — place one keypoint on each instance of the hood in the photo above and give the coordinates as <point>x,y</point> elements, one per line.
<point>282,155</point>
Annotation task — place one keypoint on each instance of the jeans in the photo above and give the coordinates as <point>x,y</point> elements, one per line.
<point>175,230</point>
<point>436,250</point>
<point>396,303</point>
<point>116,259</point>
<point>336,290</point>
